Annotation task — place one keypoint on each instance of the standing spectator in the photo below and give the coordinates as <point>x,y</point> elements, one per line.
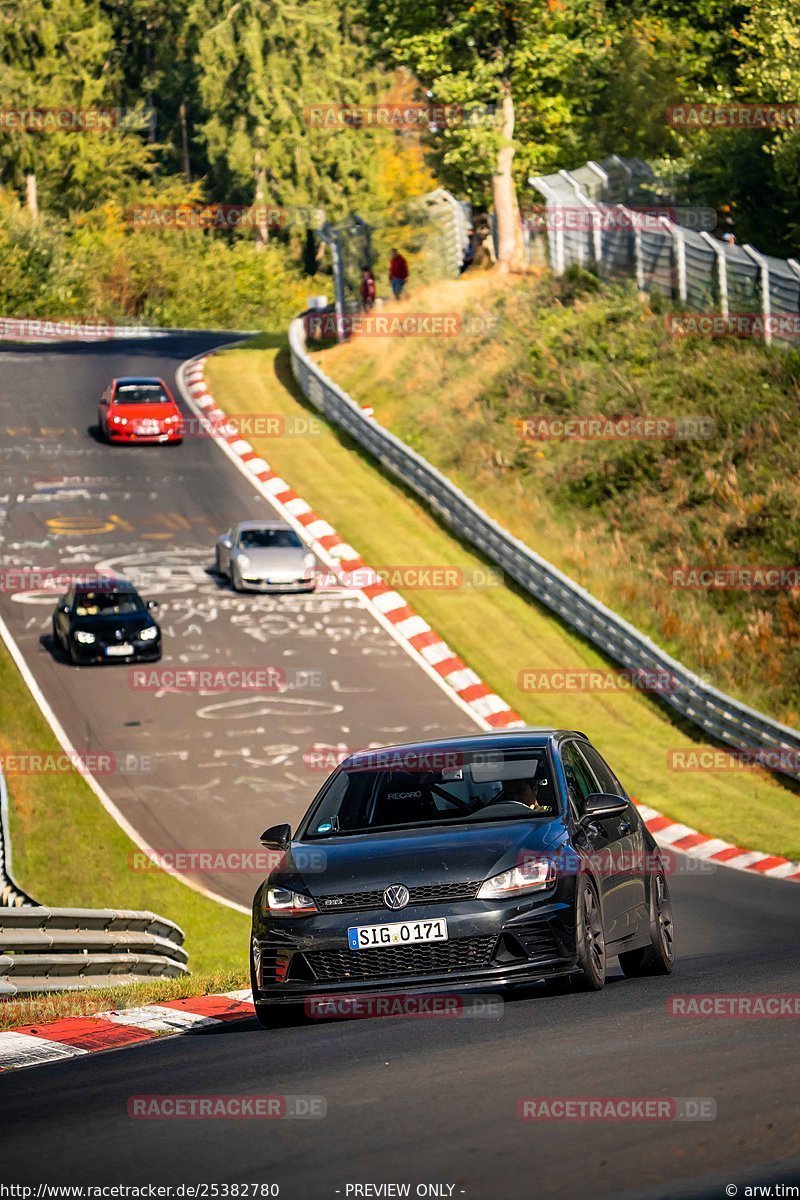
<point>367,289</point>
<point>398,273</point>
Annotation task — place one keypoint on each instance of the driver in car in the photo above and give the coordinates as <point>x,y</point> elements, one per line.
<point>526,791</point>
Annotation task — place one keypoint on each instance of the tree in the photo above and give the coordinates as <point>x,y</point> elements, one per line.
<point>56,54</point>
<point>263,65</point>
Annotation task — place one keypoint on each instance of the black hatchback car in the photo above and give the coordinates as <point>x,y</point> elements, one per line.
<point>471,862</point>
<point>106,623</point>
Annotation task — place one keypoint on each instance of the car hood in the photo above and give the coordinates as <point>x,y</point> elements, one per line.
<point>289,558</point>
<point>139,412</point>
<point>458,854</point>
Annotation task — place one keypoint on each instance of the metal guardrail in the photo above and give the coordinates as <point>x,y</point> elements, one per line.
<point>59,949</point>
<point>718,716</point>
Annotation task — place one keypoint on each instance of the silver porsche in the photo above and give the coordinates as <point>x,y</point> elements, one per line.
<point>265,556</point>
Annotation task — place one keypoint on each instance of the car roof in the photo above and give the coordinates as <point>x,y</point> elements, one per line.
<point>522,738</point>
<point>267,523</point>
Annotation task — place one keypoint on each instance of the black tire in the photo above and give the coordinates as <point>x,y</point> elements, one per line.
<point>591,939</point>
<point>218,565</point>
<point>659,957</point>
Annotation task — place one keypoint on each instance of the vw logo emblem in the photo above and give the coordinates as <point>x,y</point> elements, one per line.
<point>396,896</point>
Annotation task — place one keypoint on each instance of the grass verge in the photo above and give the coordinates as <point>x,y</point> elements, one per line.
<point>42,1008</point>
<point>628,518</point>
<point>498,631</point>
<point>69,852</point>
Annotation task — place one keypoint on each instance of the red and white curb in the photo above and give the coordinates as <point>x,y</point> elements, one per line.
<point>488,709</point>
<point>71,1037</point>
<point>676,836</point>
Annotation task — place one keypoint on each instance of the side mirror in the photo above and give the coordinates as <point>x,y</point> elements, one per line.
<point>104,399</point>
<point>63,608</point>
<point>603,804</point>
<point>226,542</point>
<point>152,604</point>
<point>277,837</point>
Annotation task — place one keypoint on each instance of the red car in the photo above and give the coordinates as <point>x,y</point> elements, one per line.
<point>139,409</point>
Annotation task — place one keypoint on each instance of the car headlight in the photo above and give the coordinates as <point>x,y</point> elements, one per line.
<point>285,903</point>
<point>531,875</point>
<point>148,634</point>
<point>85,638</point>
<point>120,420</point>
<point>242,560</point>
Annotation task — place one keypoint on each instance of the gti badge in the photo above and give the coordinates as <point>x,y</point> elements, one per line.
<point>396,896</point>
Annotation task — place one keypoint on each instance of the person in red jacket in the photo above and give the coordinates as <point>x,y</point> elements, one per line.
<point>367,289</point>
<point>398,273</point>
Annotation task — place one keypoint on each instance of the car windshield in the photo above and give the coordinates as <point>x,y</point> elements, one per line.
<point>141,393</point>
<point>404,788</point>
<point>107,604</point>
<point>268,539</point>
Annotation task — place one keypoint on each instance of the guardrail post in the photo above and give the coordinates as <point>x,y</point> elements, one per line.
<point>680,257</point>
<point>766,303</point>
<point>722,270</point>
<point>600,173</point>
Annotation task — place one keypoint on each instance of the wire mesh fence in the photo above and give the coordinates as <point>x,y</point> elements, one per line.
<point>614,218</point>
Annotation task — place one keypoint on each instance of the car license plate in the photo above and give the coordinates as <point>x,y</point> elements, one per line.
<point>148,427</point>
<point>113,651</point>
<point>396,933</point>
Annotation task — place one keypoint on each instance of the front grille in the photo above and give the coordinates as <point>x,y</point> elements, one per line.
<point>429,893</point>
<point>437,958</point>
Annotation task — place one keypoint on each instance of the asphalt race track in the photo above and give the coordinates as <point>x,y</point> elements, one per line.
<point>193,771</point>
<point>408,1101</point>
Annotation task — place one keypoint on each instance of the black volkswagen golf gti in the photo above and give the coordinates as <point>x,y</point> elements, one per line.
<point>471,862</point>
<point>107,621</point>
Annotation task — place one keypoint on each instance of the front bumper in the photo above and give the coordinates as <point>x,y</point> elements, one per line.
<point>490,943</point>
<point>96,653</point>
<point>120,436</point>
<point>253,584</point>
